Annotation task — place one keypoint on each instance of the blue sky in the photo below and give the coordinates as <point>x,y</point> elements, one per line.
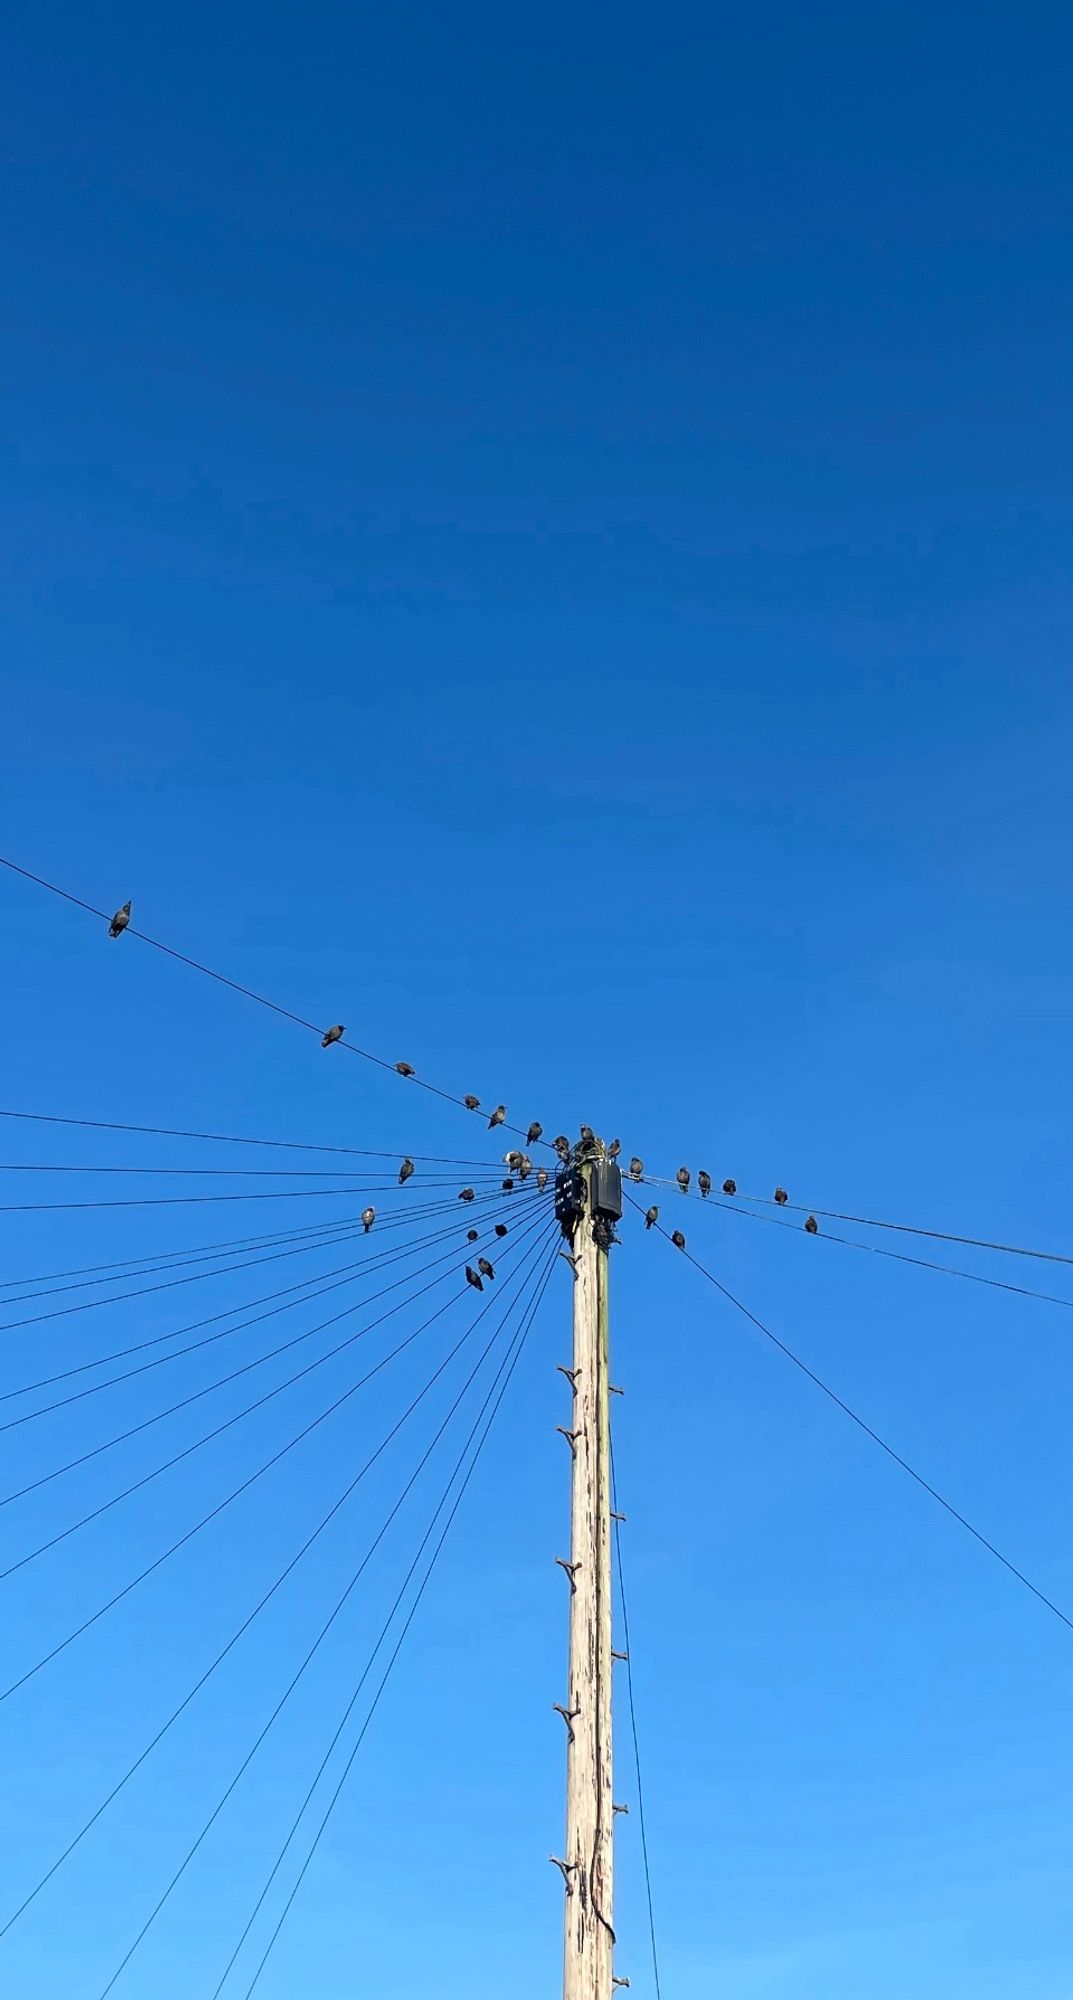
<point>547,540</point>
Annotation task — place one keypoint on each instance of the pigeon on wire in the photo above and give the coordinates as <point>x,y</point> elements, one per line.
<point>405,1171</point>
<point>678,1239</point>
<point>485,1268</point>
<point>812,1225</point>
<point>704,1182</point>
<point>534,1133</point>
<point>467,1194</point>
<point>637,1169</point>
<point>498,1116</point>
<point>405,1069</point>
<point>333,1035</point>
<point>368,1217</point>
<point>730,1187</point>
<point>682,1177</point>
<point>472,1279</point>
<point>651,1216</point>
<point>119,922</point>
<point>471,1103</point>
<point>781,1197</point>
<point>561,1145</point>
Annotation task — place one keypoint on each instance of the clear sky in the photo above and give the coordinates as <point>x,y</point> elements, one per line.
<point>546,537</point>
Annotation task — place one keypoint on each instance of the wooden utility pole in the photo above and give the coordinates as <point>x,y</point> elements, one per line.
<point>590,1202</point>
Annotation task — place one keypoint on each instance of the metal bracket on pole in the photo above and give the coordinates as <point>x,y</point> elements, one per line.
<point>570,1436</point>
<point>569,1715</point>
<point>571,1570</point>
<point>567,1869</point>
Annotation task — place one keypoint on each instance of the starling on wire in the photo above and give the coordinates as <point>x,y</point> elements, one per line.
<point>730,1187</point>
<point>542,1178</point>
<point>405,1171</point>
<point>587,1135</point>
<point>525,1167</point>
<point>368,1217</point>
<point>405,1069</point>
<point>507,1186</point>
<point>471,1236</point>
<point>485,1268</point>
<point>472,1103</point>
<point>501,1229</point>
<point>472,1279</point>
<point>333,1035</point>
<point>534,1133</point>
<point>678,1239</point>
<point>498,1116</point>
<point>704,1182</point>
<point>512,1159</point>
<point>561,1145</point>
<point>812,1225</point>
<point>637,1169</point>
<point>682,1177</point>
<point>651,1216</point>
<point>614,1149</point>
<point>119,922</point>
<point>467,1194</point>
<point>781,1197</point>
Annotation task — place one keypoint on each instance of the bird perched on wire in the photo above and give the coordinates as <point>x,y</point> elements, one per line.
<point>561,1145</point>
<point>730,1187</point>
<point>812,1225</point>
<point>678,1239</point>
<point>512,1159</point>
<point>587,1134</point>
<point>542,1178</point>
<point>704,1182</point>
<point>501,1229</point>
<point>614,1149</point>
<point>637,1169</point>
<point>498,1116</point>
<point>535,1132</point>
<point>368,1217</point>
<point>471,1103</point>
<point>472,1279</point>
<point>333,1035</point>
<point>781,1197</point>
<point>651,1216</point>
<point>471,1236</point>
<point>507,1185</point>
<point>682,1177</point>
<point>525,1167</point>
<point>405,1171</point>
<point>405,1069</point>
<point>467,1194</point>
<point>485,1268</point>
<point>119,922</point>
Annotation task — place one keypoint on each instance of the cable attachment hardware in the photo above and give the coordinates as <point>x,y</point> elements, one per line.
<point>570,1373</point>
<point>568,1870</point>
<point>569,1715</point>
<point>571,1571</point>
<point>571,1438</point>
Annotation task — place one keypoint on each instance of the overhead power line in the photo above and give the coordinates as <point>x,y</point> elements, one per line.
<point>248,993</point>
<point>840,1404</point>
<point>233,1139</point>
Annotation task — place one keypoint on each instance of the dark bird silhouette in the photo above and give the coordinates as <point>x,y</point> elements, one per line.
<point>471,1236</point>
<point>781,1197</point>
<point>614,1149</point>
<point>467,1194</point>
<point>637,1169</point>
<point>587,1135</point>
<point>405,1171</point>
<point>812,1225</point>
<point>534,1133</point>
<point>119,922</point>
<point>542,1178</point>
<point>368,1216</point>
<point>501,1229</point>
<point>405,1069</point>
<point>562,1146</point>
<point>507,1186</point>
<point>472,1279</point>
<point>472,1103</point>
<point>730,1187</point>
<point>682,1177</point>
<point>485,1268</point>
<point>333,1035</point>
<point>651,1216</point>
<point>704,1182</point>
<point>678,1239</point>
<point>498,1116</point>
